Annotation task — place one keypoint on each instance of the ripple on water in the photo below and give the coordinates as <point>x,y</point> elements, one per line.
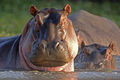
<point>31,75</point>
<point>79,75</point>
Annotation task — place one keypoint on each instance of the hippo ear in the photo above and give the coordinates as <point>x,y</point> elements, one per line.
<point>111,46</point>
<point>82,44</point>
<point>39,22</point>
<point>67,9</point>
<point>33,10</point>
<point>86,51</point>
<point>108,54</point>
<point>110,49</point>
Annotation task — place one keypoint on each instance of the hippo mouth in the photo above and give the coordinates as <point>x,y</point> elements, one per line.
<point>49,63</point>
<point>48,55</point>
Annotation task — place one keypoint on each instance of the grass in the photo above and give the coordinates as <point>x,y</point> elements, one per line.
<point>14,14</point>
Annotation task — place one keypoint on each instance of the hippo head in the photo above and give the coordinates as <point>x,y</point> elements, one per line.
<point>49,42</point>
<point>95,56</point>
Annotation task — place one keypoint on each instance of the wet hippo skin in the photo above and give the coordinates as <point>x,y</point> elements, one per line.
<point>9,53</point>
<point>48,43</point>
<point>95,57</point>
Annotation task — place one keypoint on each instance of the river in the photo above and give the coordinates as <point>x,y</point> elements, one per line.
<point>77,75</point>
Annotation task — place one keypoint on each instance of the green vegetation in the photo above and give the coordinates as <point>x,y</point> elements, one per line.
<point>14,14</point>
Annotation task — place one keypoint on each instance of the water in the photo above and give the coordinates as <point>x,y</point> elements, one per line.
<point>77,75</point>
<point>31,75</point>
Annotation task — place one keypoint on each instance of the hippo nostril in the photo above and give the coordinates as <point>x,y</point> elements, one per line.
<point>61,47</point>
<point>42,45</point>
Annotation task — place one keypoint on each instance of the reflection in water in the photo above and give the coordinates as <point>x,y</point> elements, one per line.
<point>68,79</point>
<point>117,62</point>
<point>31,75</point>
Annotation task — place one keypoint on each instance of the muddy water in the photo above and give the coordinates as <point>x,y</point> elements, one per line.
<point>31,75</point>
<point>77,75</point>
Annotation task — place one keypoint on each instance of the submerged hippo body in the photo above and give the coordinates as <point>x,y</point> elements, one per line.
<point>9,53</point>
<point>95,57</point>
<point>44,45</point>
<point>96,29</point>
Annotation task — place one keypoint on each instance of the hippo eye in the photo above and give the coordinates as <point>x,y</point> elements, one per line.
<point>62,33</point>
<point>45,18</point>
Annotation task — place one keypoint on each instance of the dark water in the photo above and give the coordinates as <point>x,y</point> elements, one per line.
<point>77,75</point>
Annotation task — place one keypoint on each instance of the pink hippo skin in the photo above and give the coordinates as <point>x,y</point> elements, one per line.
<point>48,41</point>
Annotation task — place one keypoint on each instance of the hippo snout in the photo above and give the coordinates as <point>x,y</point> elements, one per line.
<point>54,45</point>
<point>43,44</point>
<point>49,54</point>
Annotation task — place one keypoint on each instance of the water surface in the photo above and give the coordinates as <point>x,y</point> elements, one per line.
<point>77,75</point>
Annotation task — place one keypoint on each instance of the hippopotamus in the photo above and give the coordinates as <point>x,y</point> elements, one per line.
<point>95,57</point>
<point>96,29</point>
<point>47,43</point>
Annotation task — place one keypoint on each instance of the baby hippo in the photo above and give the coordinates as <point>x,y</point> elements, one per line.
<point>95,56</point>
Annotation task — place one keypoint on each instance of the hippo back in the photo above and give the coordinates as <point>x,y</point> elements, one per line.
<point>9,53</point>
<point>95,29</point>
